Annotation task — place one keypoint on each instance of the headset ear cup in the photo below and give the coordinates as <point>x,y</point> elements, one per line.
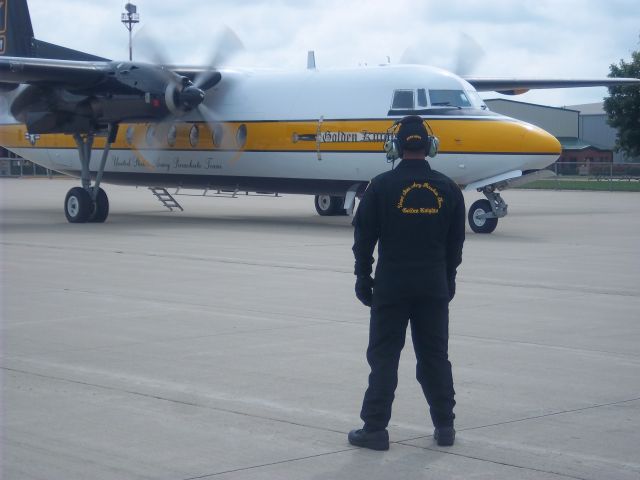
<point>434,144</point>
<point>390,145</point>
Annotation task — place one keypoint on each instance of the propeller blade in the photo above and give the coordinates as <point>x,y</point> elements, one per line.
<point>207,80</point>
<point>224,136</point>
<point>221,131</point>
<point>148,142</point>
<point>468,56</point>
<point>148,47</point>
<point>470,53</point>
<point>412,56</point>
<point>6,102</point>
<point>226,46</point>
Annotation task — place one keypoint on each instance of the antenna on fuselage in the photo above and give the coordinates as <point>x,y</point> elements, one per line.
<point>311,60</point>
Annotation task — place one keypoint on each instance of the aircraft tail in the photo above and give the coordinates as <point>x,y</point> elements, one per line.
<point>17,39</point>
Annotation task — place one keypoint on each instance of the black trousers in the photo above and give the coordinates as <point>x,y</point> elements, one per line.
<point>429,319</point>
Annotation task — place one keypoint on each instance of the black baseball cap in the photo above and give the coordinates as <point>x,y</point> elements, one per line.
<point>412,134</point>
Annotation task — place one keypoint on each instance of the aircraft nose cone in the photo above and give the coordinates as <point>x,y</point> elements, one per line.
<point>542,147</point>
<point>541,141</point>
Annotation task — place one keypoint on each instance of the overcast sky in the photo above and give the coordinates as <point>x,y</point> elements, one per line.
<point>541,38</point>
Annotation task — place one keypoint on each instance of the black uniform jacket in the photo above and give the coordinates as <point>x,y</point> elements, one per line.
<point>416,215</point>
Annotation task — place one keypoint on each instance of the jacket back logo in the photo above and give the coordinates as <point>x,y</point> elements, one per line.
<point>420,210</point>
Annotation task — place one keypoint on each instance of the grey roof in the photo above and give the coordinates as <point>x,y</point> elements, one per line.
<point>573,143</point>
<point>589,108</point>
<point>506,100</point>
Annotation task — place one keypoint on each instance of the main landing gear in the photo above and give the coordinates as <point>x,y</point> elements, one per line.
<point>89,203</point>
<point>483,214</point>
<point>329,206</point>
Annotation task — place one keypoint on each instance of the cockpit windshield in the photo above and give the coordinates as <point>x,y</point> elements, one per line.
<point>407,100</point>
<point>449,98</point>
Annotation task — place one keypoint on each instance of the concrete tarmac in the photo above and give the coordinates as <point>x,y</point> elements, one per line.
<point>225,342</point>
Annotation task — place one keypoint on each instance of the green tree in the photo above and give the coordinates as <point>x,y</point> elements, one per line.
<point>623,107</point>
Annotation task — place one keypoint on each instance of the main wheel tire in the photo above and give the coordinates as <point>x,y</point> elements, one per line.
<point>78,205</point>
<point>327,206</point>
<point>100,208</point>
<point>481,225</point>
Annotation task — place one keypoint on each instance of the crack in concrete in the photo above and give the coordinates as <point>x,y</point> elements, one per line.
<point>581,289</point>
<point>480,459</point>
<point>536,417</point>
<point>280,462</point>
<point>533,469</point>
<point>547,345</point>
<point>314,427</point>
<point>168,399</point>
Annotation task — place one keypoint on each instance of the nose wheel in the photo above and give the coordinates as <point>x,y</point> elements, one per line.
<point>478,220</point>
<point>484,214</point>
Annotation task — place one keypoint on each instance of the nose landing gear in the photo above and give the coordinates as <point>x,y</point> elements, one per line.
<point>483,214</point>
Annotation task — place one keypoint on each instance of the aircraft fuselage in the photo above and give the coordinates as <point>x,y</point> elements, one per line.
<point>315,132</point>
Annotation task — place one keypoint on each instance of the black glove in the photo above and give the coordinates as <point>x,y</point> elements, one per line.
<point>364,290</point>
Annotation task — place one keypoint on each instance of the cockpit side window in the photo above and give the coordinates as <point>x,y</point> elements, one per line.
<point>449,98</point>
<point>402,100</point>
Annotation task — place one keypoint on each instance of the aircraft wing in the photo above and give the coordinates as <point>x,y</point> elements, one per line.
<point>73,74</point>
<point>38,71</point>
<point>516,86</point>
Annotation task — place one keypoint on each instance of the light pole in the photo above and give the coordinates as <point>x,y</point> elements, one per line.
<point>129,19</point>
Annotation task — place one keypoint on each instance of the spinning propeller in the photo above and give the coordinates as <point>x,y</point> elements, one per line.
<point>468,55</point>
<point>184,94</point>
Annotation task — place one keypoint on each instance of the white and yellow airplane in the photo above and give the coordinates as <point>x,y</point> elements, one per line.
<point>316,132</point>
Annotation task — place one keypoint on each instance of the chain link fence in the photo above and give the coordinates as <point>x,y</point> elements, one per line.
<point>605,176</point>
<point>18,167</point>
<point>597,171</point>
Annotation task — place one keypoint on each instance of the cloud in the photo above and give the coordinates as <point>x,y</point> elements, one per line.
<point>546,38</point>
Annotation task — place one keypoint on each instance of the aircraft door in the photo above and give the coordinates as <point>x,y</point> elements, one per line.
<point>319,137</point>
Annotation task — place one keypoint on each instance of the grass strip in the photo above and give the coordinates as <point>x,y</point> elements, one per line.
<point>595,185</point>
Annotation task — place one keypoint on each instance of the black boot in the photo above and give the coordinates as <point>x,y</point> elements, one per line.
<point>378,440</point>
<point>445,436</point>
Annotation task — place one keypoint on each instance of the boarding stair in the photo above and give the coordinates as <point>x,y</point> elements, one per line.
<point>166,198</point>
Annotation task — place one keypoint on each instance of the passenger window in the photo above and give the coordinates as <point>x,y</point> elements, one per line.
<point>402,99</point>
<point>422,97</point>
<point>449,98</point>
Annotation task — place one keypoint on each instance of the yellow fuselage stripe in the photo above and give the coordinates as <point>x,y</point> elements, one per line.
<point>456,136</point>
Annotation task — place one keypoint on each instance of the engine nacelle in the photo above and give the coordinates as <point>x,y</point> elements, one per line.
<point>132,93</point>
<point>8,87</point>
<point>56,122</point>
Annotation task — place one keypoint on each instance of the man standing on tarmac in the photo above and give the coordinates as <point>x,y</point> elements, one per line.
<point>416,215</point>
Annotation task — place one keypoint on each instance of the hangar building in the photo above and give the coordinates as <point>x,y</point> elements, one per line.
<point>582,130</point>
